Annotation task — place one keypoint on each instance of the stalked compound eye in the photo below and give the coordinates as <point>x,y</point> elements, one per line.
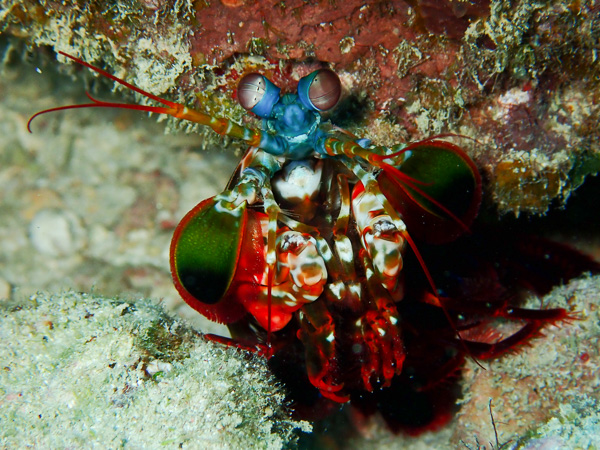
<point>257,94</point>
<point>320,90</point>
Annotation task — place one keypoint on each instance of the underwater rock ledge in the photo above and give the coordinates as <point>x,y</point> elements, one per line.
<point>83,370</point>
<point>86,370</point>
<point>519,77</point>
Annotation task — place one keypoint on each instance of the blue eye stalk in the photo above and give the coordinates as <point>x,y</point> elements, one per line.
<point>292,120</point>
<point>256,93</point>
<point>320,90</point>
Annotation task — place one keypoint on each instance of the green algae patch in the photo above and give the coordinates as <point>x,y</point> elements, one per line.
<point>80,370</point>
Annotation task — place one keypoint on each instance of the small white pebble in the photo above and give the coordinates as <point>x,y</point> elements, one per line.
<point>56,232</point>
<point>158,366</point>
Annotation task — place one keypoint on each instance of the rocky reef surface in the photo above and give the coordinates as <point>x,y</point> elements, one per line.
<point>520,77</point>
<point>89,201</point>
<point>86,371</point>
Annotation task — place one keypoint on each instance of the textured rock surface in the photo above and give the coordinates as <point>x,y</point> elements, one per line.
<point>521,77</point>
<point>555,373</point>
<point>79,370</point>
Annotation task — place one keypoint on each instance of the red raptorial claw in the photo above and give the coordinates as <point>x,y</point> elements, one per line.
<point>261,349</point>
<point>329,390</point>
<point>317,333</point>
<point>382,347</point>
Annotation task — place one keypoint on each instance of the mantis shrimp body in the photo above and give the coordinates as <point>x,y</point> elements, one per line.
<point>308,255</point>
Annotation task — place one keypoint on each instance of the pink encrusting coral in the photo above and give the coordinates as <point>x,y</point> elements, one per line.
<point>376,42</point>
<point>429,67</point>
